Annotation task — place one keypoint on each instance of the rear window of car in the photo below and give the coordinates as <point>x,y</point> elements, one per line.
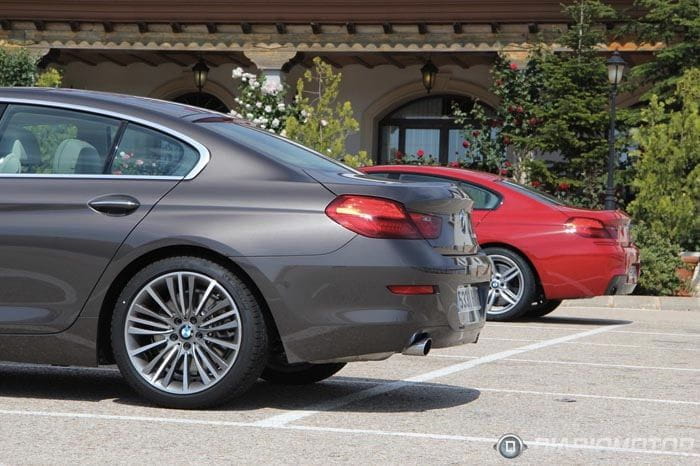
<point>276,147</point>
<point>483,198</point>
<point>533,193</point>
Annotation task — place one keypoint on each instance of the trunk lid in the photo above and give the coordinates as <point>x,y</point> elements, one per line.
<point>445,200</point>
<point>617,223</point>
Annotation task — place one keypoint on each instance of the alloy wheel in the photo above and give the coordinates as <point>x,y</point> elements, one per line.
<point>182,332</point>
<point>506,285</point>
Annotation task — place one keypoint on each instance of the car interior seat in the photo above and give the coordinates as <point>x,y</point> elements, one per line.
<point>12,163</point>
<point>89,162</point>
<point>31,153</point>
<point>68,153</point>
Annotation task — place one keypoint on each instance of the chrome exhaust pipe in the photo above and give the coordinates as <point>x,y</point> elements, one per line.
<point>420,347</point>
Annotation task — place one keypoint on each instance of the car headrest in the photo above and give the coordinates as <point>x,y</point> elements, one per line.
<point>67,153</point>
<point>31,150</point>
<point>88,162</point>
<point>11,163</point>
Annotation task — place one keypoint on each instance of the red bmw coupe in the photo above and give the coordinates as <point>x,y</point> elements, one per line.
<point>542,250</point>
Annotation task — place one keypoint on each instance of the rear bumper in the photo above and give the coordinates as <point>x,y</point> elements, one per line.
<point>337,305</point>
<point>620,285</point>
<point>589,270</point>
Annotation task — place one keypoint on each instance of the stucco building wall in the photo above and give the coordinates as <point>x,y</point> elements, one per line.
<point>373,92</point>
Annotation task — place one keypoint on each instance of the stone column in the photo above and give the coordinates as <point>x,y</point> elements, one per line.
<point>271,61</point>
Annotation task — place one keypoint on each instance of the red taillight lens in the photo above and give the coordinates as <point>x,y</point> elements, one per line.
<point>430,226</point>
<point>587,227</point>
<point>377,217</point>
<point>412,289</point>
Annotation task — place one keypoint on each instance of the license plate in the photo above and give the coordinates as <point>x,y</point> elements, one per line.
<point>468,305</point>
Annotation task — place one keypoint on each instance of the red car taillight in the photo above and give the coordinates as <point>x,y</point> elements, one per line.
<point>587,227</point>
<point>430,226</point>
<point>377,217</point>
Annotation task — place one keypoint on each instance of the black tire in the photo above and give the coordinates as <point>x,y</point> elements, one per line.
<point>527,282</point>
<point>252,351</point>
<point>543,308</point>
<point>299,374</point>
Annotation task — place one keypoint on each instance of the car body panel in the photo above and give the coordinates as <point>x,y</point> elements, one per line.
<point>54,247</point>
<point>339,304</point>
<point>568,266</point>
<point>325,286</point>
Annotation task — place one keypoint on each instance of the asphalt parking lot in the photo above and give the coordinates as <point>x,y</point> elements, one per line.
<point>582,385</point>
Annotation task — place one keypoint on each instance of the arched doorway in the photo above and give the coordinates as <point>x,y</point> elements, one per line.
<point>203,100</point>
<point>424,124</point>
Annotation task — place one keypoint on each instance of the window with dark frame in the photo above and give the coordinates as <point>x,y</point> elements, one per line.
<point>426,125</point>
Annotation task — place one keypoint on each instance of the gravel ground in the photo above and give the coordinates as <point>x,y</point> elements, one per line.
<point>582,385</point>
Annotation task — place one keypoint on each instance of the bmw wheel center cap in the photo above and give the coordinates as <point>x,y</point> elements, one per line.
<point>186,331</point>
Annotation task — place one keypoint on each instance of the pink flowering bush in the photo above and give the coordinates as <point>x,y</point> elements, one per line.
<point>127,163</point>
<point>419,158</point>
<point>492,135</point>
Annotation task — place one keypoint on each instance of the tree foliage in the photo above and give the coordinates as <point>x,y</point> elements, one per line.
<point>314,118</point>
<point>573,108</point>
<point>324,123</point>
<point>49,78</point>
<point>667,163</point>
<point>660,261</point>
<point>19,68</point>
<point>675,23</point>
<point>491,135</point>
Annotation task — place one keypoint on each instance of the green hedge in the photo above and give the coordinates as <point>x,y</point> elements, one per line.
<point>17,67</point>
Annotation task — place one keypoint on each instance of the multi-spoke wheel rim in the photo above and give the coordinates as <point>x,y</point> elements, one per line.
<point>506,285</point>
<point>182,332</point>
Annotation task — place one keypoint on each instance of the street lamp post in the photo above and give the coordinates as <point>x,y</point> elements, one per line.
<point>616,67</point>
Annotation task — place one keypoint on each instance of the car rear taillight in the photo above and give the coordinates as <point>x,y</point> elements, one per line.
<point>377,217</point>
<point>587,227</point>
<point>430,226</point>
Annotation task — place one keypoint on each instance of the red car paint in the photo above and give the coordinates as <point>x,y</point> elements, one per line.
<point>569,262</point>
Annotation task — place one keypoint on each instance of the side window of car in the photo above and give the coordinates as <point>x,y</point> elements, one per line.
<point>146,152</point>
<point>45,140</point>
<point>483,199</point>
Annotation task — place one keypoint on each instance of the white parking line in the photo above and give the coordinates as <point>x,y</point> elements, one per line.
<point>646,347</point>
<point>609,308</point>
<point>659,333</point>
<point>419,435</point>
<point>292,416</point>
<point>595,364</point>
<point>350,381</point>
<point>572,363</point>
<point>584,395</point>
<point>509,339</point>
<point>613,345</point>
<point>558,327</point>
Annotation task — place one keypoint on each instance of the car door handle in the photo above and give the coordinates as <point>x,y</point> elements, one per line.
<point>115,205</point>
